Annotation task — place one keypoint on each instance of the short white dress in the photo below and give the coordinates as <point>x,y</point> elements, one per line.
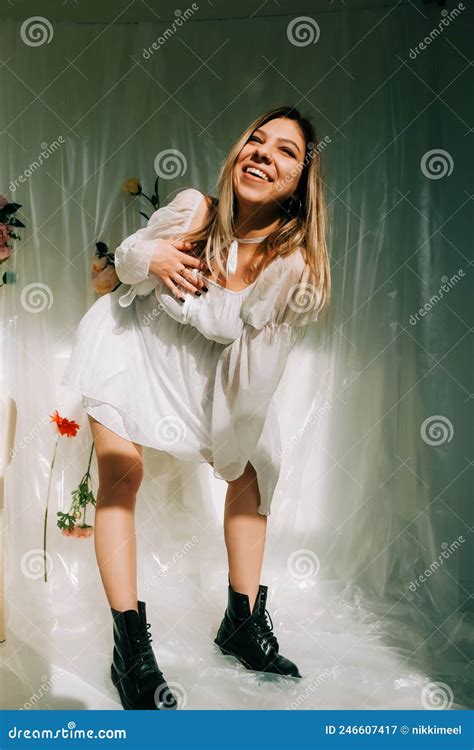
<point>193,379</point>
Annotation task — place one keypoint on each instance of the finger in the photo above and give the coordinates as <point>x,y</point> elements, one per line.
<point>189,260</point>
<point>181,244</point>
<point>175,290</point>
<point>182,281</point>
<point>197,279</point>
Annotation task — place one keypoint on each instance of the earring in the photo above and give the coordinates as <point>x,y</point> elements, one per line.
<point>294,206</point>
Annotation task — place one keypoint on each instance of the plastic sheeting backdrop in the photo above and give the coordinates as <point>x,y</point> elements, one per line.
<point>368,550</point>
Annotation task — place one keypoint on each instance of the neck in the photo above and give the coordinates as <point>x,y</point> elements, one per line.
<point>255,222</point>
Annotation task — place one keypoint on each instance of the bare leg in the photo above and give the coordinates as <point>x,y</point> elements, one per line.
<point>120,474</point>
<point>244,533</point>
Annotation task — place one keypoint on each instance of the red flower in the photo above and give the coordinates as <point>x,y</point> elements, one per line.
<point>65,426</point>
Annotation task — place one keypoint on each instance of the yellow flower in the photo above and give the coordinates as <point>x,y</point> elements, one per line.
<point>105,281</point>
<point>132,186</point>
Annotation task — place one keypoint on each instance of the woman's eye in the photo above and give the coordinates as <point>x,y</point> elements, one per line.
<point>288,151</point>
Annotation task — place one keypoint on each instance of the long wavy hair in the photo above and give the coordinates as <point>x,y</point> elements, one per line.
<point>303,226</point>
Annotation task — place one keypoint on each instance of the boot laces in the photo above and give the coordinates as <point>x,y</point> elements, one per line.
<point>140,641</point>
<point>265,629</point>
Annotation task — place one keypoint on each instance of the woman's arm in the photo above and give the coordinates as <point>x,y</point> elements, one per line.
<point>141,254</point>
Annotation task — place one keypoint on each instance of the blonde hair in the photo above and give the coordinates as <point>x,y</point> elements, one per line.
<point>304,228</point>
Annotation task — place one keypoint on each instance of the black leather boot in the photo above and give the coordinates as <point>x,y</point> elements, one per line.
<point>249,636</point>
<point>135,672</point>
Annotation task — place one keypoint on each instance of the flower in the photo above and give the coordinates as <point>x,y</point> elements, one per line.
<point>132,186</point>
<point>81,498</point>
<point>106,281</point>
<point>80,532</point>
<point>65,426</point>
<point>5,252</point>
<point>3,234</point>
<point>98,265</point>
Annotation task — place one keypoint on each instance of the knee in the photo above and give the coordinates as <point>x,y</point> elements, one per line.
<point>119,476</point>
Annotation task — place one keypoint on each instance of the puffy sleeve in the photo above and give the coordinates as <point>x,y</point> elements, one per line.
<point>133,255</point>
<point>276,315</point>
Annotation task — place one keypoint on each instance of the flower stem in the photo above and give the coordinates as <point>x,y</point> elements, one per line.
<point>46,511</point>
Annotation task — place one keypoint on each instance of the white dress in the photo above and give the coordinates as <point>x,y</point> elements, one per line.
<point>193,379</point>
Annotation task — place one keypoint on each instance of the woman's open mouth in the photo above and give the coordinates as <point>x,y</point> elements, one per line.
<point>255,174</point>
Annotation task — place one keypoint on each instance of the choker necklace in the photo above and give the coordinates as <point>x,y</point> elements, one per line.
<point>234,251</point>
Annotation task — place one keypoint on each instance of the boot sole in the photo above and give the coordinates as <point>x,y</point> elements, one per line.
<point>248,666</point>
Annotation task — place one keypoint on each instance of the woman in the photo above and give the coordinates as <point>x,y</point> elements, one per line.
<point>187,361</point>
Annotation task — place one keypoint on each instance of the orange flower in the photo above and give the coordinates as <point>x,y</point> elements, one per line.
<point>105,281</point>
<point>65,426</point>
<point>80,532</point>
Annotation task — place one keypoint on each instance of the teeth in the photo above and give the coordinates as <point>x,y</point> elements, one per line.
<point>257,172</point>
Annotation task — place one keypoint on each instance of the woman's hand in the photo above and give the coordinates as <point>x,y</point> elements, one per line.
<point>170,264</point>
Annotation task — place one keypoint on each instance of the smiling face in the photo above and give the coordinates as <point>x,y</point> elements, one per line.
<point>269,166</point>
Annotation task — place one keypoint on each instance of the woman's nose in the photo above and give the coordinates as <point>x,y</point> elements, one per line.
<point>263,152</point>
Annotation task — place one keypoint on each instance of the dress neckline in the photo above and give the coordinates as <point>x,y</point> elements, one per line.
<point>231,291</point>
